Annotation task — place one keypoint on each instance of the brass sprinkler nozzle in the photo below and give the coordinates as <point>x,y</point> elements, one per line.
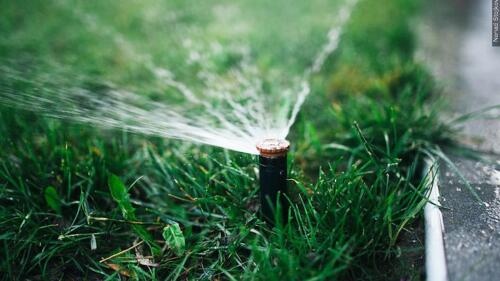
<point>272,148</point>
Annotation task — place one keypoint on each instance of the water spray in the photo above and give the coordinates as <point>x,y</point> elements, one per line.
<point>273,182</point>
<point>244,113</point>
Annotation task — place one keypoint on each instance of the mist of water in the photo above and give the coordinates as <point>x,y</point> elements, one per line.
<point>233,111</point>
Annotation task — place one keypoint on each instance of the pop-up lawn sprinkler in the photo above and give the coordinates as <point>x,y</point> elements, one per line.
<point>273,173</point>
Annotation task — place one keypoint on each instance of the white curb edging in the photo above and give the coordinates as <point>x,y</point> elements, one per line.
<point>435,259</point>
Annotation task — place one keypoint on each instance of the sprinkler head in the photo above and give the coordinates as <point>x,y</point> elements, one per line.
<point>272,148</point>
<point>273,173</point>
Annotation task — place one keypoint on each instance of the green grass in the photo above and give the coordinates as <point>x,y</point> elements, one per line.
<point>355,165</point>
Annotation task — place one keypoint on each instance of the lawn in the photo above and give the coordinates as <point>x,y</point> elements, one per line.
<point>83,201</point>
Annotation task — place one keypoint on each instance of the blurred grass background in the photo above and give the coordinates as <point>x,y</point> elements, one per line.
<point>355,179</point>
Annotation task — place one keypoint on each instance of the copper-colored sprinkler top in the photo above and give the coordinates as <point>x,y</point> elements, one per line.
<point>273,147</point>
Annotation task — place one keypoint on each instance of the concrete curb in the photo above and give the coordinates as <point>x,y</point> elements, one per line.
<point>435,259</point>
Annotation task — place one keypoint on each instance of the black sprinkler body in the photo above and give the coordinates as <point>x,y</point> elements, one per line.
<point>273,179</point>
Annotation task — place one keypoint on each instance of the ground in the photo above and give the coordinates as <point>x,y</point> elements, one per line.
<point>80,202</point>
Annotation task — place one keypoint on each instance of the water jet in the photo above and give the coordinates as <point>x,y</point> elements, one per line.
<point>273,182</point>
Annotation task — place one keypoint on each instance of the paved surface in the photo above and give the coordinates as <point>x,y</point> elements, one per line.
<point>472,230</point>
<point>456,38</point>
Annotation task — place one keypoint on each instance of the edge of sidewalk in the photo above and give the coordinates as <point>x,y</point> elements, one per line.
<point>435,258</point>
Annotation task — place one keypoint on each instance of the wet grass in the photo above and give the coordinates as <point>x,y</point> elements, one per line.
<point>355,174</point>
